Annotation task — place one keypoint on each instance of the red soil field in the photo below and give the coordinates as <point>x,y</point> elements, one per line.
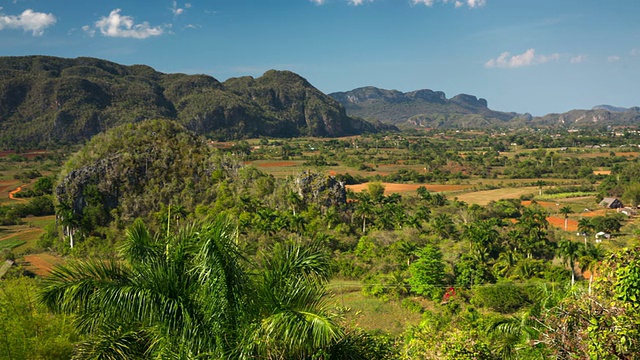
<point>41,264</point>
<point>572,225</point>
<point>390,188</point>
<point>601,212</point>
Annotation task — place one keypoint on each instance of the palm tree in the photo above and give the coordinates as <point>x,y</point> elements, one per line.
<point>590,258</point>
<point>443,226</point>
<point>506,263</point>
<point>364,209</point>
<point>294,320</point>
<point>482,236</point>
<point>189,295</point>
<point>585,227</point>
<point>515,331</point>
<point>523,329</point>
<point>295,200</point>
<point>68,220</point>
<point>540,184</point>
<point>566,210</point>
<point>569,251</point>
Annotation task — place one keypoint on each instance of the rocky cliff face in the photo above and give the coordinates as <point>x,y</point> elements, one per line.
<point>127,172</point>
<point>320,189</point>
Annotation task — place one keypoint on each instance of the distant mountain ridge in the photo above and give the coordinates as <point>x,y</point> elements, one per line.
<point>595,116</point>
<point>609,108</point>
<point>428,108</point>
<point>425,107</point>
<point>48,100</point>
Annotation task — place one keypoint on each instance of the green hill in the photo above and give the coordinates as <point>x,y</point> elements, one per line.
<point>47,101</point>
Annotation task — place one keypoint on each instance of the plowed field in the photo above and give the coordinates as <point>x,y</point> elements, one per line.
<point>41,264</point>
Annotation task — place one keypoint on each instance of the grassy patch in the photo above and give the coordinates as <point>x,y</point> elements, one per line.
<point>11,244</point>
<point>368,313</point>
<point>565,195</point>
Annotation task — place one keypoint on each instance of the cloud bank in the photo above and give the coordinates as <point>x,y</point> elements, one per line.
<point>528,58</point>
<point>116,25</point>
<point>29,20</point>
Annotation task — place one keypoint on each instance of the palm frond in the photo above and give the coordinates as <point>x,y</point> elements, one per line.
<point>139,246</point>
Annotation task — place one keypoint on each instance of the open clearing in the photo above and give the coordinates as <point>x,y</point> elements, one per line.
<point>558,222</point>
<point>370,313</point>
<point>41,264</point>
<point>390,188</point>
<point>486,196</point>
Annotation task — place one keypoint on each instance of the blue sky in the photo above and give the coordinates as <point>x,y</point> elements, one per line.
<point>537,56</point>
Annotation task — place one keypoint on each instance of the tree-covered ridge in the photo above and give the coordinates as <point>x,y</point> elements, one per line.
<point>48,101</point>
<point>432,109</point>
<point>597,116</point>
<point>425,108</point>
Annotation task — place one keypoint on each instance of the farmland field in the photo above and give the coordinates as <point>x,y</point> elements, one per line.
<point>485,197</point>
<point>391,188</point>
<point>41,264</point>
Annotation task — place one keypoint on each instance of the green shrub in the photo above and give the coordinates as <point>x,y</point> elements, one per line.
<point>412,305</point>
<point>502,297</point>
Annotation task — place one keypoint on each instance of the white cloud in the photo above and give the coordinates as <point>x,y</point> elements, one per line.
<point>528,58</point>
<point>457,3</point>
<point>318,2</point>
<point>634,52</point>
<point>179,11</point>
<point>116,25</point>
<point>578,59</point>
<point>29,20</point>
<point>358,2</point>
<point>613,58</point>
<point>89,30</point>
<point>424,2</point>
<point>476,3</point>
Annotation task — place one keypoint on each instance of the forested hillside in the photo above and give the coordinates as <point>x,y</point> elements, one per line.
<point>47,101</point>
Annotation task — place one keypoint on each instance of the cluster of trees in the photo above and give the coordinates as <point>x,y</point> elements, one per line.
<point>191,294</point>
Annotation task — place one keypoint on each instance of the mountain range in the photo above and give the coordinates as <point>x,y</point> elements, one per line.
<point>424,108</point>
<point>49,100</point>
<point>432,109</point>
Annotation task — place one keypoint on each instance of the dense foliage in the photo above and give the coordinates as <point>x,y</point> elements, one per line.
<point>191,295</point>
<point>488,281</point>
